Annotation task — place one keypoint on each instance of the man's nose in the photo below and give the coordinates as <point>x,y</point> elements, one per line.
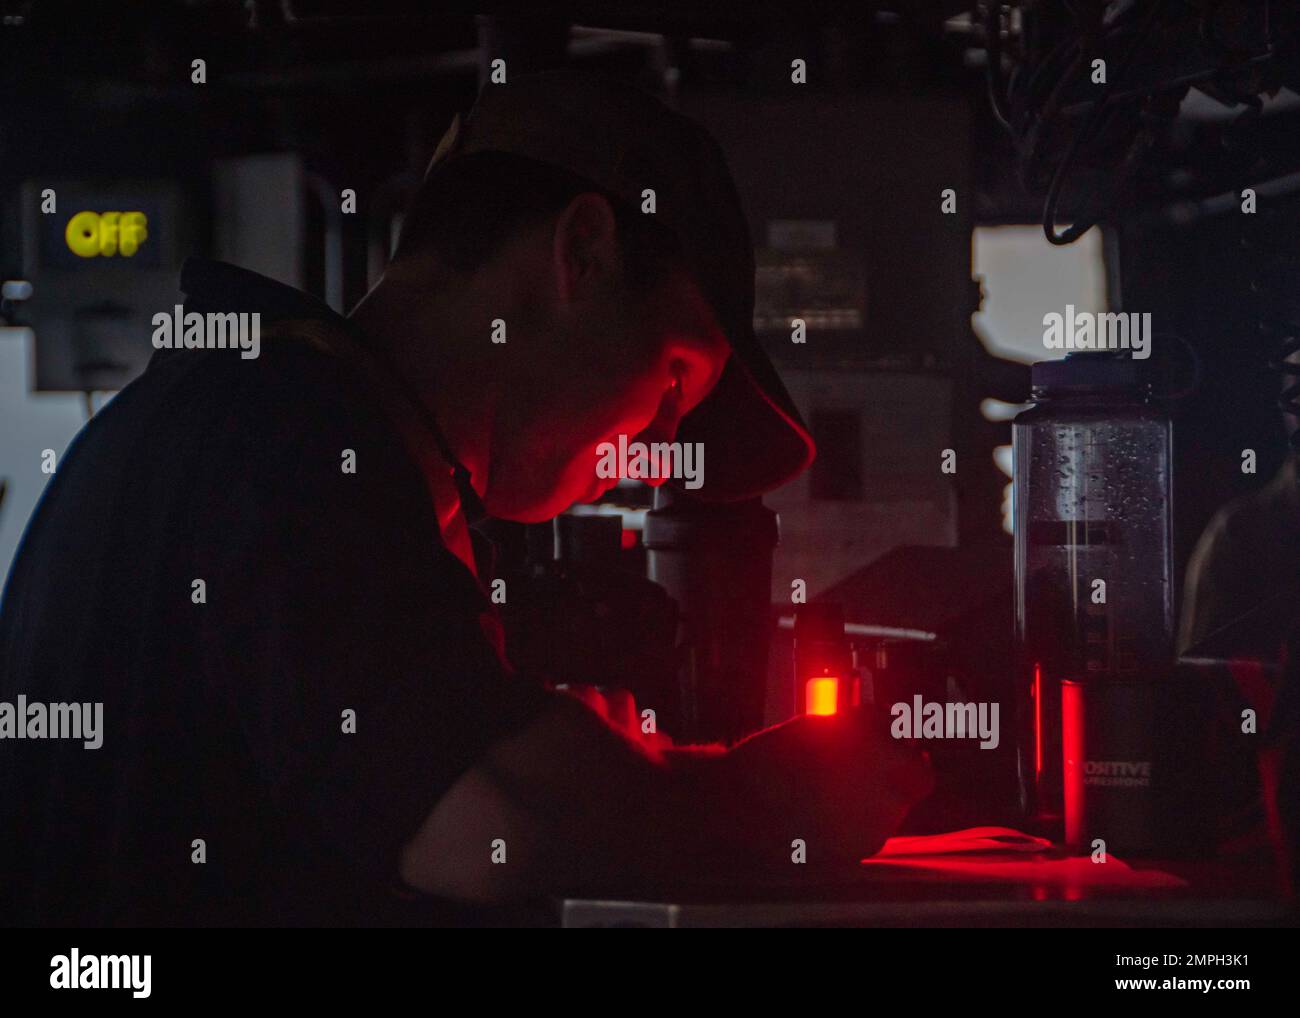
<point>660,465</point>
<point>658,476</point>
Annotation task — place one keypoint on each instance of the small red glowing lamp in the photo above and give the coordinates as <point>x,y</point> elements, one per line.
<point>822,695</point>
<point>822,660</point>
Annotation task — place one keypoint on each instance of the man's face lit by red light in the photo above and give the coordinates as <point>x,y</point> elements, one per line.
<point>622,361</point>
<point>648,401</point>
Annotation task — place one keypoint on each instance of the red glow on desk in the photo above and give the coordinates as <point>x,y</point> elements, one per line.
<point>1001,855</point>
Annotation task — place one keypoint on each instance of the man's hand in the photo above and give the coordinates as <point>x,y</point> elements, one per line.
<point>585,810</point>
<point>841,783</point>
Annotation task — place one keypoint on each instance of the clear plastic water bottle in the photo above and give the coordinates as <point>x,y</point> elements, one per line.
<point>1094,598</point>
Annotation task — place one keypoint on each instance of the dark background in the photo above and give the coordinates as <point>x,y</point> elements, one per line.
<point>896,108</point>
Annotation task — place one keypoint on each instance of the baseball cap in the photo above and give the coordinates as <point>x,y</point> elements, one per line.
<point>625,141</point>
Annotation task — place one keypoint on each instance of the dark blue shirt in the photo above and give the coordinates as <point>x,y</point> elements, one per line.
<point>224,721</point>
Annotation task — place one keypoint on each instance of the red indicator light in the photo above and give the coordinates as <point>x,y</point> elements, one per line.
<point>1074,753</point>
<point>1038,718</point>
<point>821,695</point>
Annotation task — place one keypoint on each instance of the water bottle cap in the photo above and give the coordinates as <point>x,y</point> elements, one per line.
<point>1090,369</point>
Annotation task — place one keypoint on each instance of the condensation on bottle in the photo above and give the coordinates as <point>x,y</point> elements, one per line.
<point>1092,503</point>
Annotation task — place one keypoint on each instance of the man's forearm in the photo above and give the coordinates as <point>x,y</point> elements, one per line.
<point>583,809</point>
<point>616,816</point>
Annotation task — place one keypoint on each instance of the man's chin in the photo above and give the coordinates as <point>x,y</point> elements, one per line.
<point>529,512</point>
<point>524,515</point>
<point>542,507</point>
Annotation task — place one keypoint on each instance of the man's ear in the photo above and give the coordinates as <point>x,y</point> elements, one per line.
<point>585,247</point>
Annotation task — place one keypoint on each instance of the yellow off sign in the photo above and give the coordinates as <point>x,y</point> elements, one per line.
<point>90,234</point>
